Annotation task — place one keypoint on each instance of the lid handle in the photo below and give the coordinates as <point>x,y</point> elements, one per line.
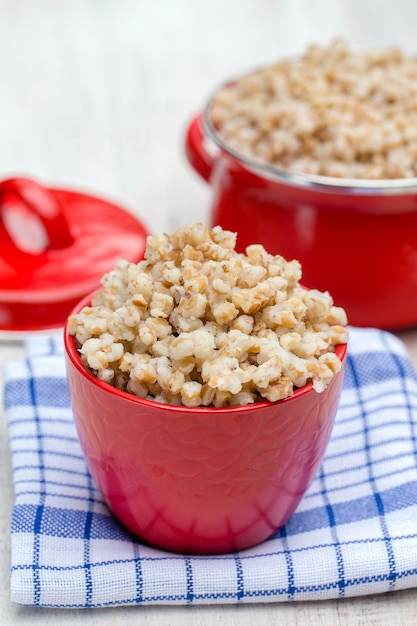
<point>42,203</point>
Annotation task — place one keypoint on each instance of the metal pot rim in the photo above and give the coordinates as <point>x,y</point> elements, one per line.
<point>351,186</point>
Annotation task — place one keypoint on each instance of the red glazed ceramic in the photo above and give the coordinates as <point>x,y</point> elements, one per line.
<point>55,245</point>
<point>201,480</point>
<point>356,239</point>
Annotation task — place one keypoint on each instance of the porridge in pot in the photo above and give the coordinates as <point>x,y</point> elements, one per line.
<point>331,112</point>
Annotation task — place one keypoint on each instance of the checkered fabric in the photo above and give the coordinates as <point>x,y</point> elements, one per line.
<point>354,533</point>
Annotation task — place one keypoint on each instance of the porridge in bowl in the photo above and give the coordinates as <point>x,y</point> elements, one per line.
<point>198,324</point>
<point>204,384</point>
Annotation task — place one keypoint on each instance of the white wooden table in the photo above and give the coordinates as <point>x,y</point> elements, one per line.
<point>96,95</point>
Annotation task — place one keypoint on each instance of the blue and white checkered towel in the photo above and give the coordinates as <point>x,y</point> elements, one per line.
<point>354,533</point>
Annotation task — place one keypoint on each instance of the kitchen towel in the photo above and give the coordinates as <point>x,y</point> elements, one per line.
<point>354,532</point>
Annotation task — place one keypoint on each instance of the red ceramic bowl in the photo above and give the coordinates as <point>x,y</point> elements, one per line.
<point>357,239</point>
<point>201,480</point>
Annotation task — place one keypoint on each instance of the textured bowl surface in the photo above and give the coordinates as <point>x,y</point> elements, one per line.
<point>200,480</point>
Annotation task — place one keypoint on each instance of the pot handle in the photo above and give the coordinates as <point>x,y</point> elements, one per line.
<point>200,159</point>
<point>43,204</point>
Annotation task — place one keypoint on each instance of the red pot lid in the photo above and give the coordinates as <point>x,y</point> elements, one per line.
<point>55,245</point>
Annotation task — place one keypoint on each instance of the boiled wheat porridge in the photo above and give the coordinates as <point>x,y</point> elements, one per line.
<point>332,111</point>
<point>198,324</point>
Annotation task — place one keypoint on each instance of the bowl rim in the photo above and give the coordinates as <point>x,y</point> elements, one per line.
<point>72,354</point>
<point>350,186</point>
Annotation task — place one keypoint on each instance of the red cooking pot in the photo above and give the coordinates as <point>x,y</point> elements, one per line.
<point>355,238</point>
